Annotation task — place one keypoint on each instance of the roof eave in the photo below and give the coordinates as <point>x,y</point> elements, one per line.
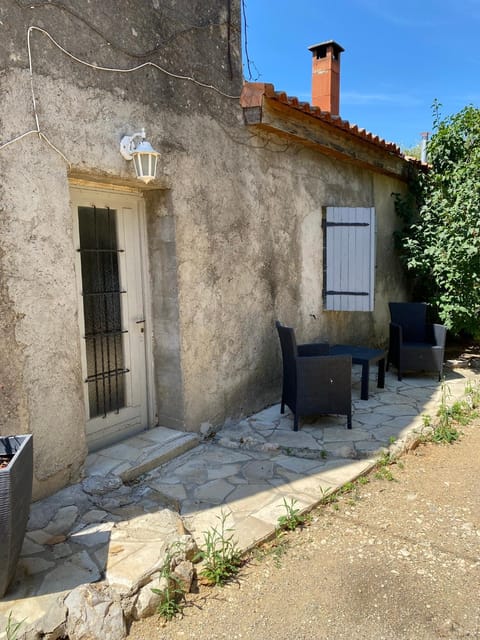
<point>268,109</point>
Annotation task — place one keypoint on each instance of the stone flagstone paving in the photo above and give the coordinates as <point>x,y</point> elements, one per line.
<point>111,528</point>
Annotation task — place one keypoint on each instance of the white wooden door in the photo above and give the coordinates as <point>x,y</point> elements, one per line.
<point>108,238</point>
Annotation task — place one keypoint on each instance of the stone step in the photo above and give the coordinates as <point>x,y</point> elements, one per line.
<point>132,458</point>
<point>160,455</point>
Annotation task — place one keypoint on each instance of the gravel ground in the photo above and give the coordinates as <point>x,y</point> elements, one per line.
<point>396,559</point>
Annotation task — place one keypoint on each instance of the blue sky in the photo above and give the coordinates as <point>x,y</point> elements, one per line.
<point>400,55</point>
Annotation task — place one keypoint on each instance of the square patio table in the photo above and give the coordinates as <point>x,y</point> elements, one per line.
<point>366,357</point>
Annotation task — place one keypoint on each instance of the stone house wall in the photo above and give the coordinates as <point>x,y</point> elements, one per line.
<point>233,221</point>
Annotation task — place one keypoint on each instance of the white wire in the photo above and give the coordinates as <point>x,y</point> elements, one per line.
<point>44,137</point>
<point>27,133</point>
<point>97,68</point>
<point>140,66</point>
<point>30,67</point>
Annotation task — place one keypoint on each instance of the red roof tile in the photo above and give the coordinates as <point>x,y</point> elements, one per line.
<point>253,93</point>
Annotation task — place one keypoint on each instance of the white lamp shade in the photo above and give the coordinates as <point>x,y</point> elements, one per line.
<point>145,161</point>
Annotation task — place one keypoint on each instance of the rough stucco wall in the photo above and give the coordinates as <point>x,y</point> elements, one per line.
<point>13,401</point>
<point>251,251</point>
<point>168,377</point>
<point>234,244</point>
<point>183,38</point>
<point>39,284</point>
<point>84,113</point>
<point>40,281</point>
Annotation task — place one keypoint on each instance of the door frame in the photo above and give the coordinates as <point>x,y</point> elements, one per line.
<point>117,191</point>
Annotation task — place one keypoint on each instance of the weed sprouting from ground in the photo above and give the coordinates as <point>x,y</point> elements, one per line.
<point>472,396</point>
<point>443,429</point>
<point>276,548</point>
<point>329,496</point>
<point>292,518</point>
<point>445,432</point>
<point>351,489</point>
<point>220,554</point>
<point>12,629</point>
<point>348,487</point>
<point>172,594</point>
<point>289,521</point>
<point>172,599</point>
<point>383,464</point>
<point>427,422</point>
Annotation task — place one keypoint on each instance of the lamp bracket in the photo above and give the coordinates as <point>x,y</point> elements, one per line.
<point>128,144</point>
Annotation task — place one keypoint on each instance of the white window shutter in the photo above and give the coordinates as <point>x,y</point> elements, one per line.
<point>349,258</point>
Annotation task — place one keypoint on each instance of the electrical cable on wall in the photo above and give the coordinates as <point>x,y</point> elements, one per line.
<point>249,62</point>
<point>38,131</point>
<point>116,46</point>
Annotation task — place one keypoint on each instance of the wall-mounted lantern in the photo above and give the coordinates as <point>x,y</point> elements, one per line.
<point>144,157</point>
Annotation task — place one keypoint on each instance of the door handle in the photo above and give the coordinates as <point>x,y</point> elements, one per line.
<point>142,329</point>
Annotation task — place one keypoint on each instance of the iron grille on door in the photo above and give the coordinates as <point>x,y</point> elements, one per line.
<point>102,306</point>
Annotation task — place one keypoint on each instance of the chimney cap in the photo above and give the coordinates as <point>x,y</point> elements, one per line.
<point>321,48</point>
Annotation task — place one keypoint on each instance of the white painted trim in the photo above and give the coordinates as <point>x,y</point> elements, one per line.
<point>147,304</point>
<point>129,227</point>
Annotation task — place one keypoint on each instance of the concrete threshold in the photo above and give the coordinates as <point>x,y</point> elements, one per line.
<point>139,454</point>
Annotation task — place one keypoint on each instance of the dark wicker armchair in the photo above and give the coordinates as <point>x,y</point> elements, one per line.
<point>314,382</point>
<point>415,345</point>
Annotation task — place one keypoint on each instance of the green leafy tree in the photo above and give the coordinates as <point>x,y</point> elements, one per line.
<point>440,242</point>
<point>414,152</point>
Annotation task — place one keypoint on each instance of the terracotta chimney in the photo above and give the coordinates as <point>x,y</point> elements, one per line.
<point>326,76</point>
